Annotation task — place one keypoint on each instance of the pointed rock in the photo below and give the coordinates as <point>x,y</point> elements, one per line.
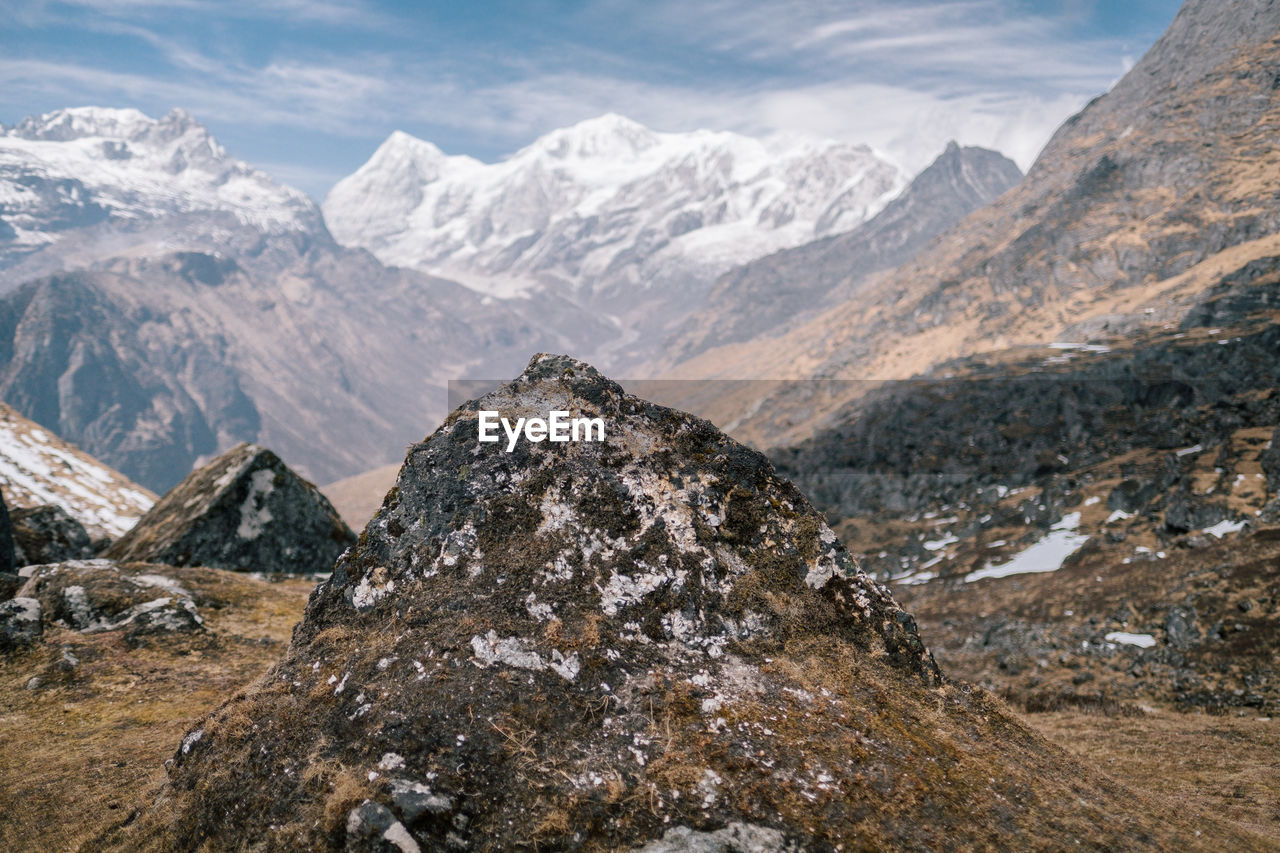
<point>647,639</point>
<point>245,510</point>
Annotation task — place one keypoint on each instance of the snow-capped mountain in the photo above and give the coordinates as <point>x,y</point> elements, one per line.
<point>630,221</point>
<point>90,175</point>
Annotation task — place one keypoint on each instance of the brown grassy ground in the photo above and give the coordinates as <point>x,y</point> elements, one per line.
<point>85,748</point>
<point>1225,770</point>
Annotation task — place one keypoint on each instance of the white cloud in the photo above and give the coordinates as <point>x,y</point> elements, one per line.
<point>904,77</point>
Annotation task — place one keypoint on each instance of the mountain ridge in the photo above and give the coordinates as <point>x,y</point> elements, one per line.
<point>623,221</point>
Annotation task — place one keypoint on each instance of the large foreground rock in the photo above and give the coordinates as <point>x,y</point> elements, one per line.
<point>244,510</point>
<point>650,640</point>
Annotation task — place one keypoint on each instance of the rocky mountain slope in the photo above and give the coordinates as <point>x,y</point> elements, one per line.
<point>650,640</point>
<point>764,297</point>
<point>1141,203</point>
<point>618,218</point>
<point>203,305</point>
<point>37,468</point>
<point>1116,469</point>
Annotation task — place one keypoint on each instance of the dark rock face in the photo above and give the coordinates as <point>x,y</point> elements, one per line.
<point>80,363</point>
<point>100,595</point>
<point>8,563</point>
<point>46,534</point>
<point>646,639</point>
<point>244,510</point>
<point>1151,411</point>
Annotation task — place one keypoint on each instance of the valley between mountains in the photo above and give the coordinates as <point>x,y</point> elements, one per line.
<point>933,511</point>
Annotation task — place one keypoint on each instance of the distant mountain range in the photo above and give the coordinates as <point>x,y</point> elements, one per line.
<point>766,296</point>
<point>626,222</point>
<point>161,301</point>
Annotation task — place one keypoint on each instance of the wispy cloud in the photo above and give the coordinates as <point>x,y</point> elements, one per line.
<point>902,76</point>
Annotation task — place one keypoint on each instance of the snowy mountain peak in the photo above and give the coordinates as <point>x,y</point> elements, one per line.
<point>607,136</point>
<point>416,159</point>
<point>620,219</point>
<point>96,168</point>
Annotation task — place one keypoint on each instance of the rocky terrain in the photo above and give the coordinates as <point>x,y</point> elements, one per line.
<point>649,640</point>
<point>1109,511</point>
<point>631,224</point>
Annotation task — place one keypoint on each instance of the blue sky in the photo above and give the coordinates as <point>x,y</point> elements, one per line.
<point>307,89</point>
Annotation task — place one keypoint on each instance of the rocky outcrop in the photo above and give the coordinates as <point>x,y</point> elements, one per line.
<point>649,639</point>
<point>244,510</point>
<point>47,534</point>
<point>91,596</point>
<point>8,560</point>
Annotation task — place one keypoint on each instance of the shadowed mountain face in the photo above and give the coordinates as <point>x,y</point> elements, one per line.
<point>1083,525</point>
<point>645,639</point>
<point>762,298</point>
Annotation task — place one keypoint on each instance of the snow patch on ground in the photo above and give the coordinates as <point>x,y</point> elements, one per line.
<point>1047,555</point>
<point>1222,528</point>
<point>1124,638</point>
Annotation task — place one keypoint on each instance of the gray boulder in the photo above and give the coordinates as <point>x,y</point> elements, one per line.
<point>92,596</point>
<point>47,534</point>
<point>245,510</point>
<point>20,623</point>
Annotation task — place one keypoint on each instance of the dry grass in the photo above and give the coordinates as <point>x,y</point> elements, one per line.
<point>1217,769</point>
<point>88,749</point>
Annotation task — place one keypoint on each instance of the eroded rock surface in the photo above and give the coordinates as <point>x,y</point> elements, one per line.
<point>101,595</point>
<point>244,510</point>
<point>20,623</point>
<point>650,640</point>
